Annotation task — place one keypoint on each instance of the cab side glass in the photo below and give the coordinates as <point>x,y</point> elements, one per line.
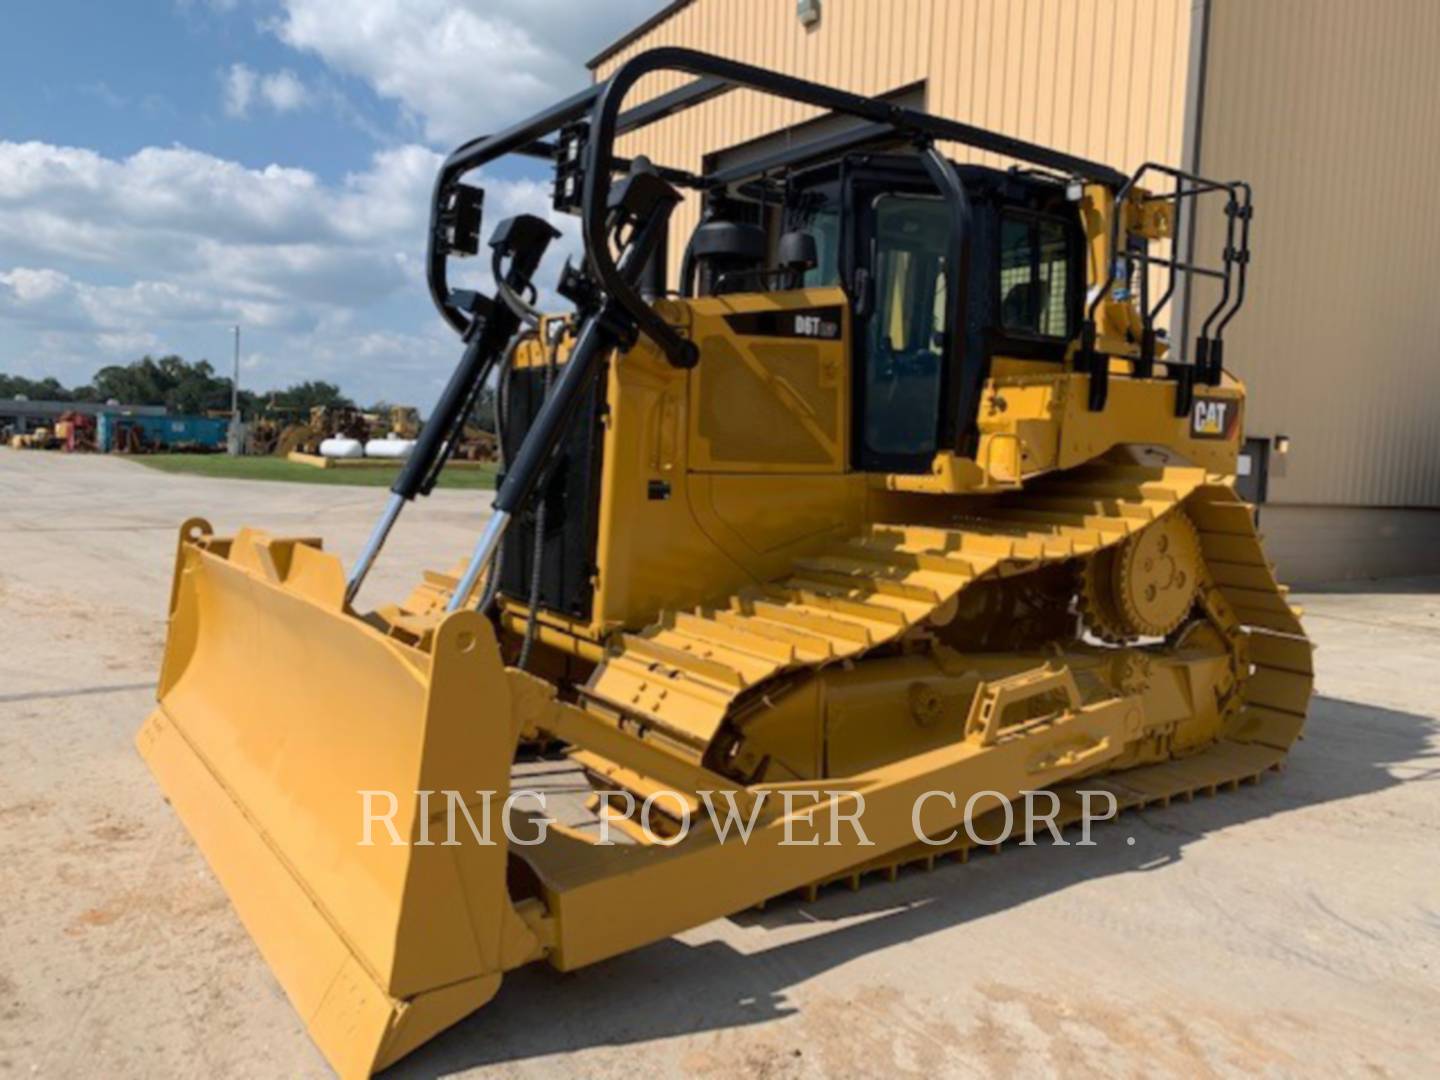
<point>1034,277</point>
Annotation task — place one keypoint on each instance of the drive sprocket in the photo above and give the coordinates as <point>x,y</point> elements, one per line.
<point>1146,586</point>
<point>1098,610</point>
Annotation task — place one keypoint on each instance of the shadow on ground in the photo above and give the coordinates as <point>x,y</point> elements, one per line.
<point>671,988</point>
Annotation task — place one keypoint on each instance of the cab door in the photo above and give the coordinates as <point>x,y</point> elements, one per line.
<point>895,258</point>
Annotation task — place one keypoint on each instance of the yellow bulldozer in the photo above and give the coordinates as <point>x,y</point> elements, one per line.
<point>899,512</point>
<point>404,423</point>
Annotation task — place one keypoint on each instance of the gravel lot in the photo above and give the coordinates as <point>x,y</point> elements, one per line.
<point>1287,929</point>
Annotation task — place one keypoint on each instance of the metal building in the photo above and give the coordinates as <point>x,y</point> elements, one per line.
<point>1328,107</point>
<point>21,414</point>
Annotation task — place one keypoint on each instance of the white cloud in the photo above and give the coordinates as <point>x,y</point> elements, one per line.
<point>462,67</point>
<point>170,210</point>
<point>128,343</point>
<point>238,89</point>
<point>106,257</point>
<point>31,288</point>
<point>284,92</point>
<point>102,92</point>
<point>59,302</point>
<point>241,87</point>
<point>102,258</point>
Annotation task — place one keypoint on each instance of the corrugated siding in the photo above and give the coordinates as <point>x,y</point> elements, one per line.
<point>1100,78</point>
<point>1329,108</point>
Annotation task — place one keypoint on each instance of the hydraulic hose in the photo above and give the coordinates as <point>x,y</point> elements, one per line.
<point>527,313</point>
<point>507,363</point>
<point>532,619</point>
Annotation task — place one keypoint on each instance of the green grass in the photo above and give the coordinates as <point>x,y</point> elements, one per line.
<point>223,467</point>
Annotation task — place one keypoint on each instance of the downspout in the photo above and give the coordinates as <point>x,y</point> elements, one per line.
<point>1190,154</point>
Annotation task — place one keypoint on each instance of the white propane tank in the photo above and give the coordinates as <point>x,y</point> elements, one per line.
<point>336,447</point>
<point>389,448</point>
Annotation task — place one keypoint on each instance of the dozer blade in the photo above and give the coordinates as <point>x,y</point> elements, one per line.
<point>277,711</point>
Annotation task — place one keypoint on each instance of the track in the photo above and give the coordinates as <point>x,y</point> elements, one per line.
<point>683,676</point>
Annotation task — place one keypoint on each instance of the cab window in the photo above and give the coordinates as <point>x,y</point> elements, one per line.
<point>824,225</point>
<point>1035,277</point>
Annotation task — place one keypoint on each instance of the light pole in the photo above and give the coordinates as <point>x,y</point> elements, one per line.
<point>234,444</point>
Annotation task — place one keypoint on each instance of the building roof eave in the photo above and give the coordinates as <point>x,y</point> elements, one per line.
<point>631,36</point>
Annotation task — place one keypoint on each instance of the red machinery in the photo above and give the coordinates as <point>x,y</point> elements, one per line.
<point>76,431</point>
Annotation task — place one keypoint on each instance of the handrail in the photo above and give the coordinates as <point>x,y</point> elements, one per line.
<point>714,75</point>
<point>679,350</point>
<point>1207,365</point>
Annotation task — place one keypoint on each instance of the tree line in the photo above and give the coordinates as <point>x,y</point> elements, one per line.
<point>179,385</point>
<point>195,389</point>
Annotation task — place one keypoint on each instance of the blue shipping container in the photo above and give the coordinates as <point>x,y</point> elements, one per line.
<point>113,431</point>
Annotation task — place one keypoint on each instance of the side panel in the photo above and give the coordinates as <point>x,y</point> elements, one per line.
<point>651,550</point>
<point>699,498</point>
<point>771,394</point>
<point>770,426</point>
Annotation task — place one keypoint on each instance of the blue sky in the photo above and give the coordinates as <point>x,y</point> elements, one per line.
<point>171,167</point>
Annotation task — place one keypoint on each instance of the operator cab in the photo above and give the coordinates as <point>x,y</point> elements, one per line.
<point>876,225</point>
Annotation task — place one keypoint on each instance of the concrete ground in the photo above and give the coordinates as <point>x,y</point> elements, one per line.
<point>1285,929</point>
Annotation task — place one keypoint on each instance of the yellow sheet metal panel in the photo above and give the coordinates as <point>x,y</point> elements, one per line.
<point>1327,107</point>
<point>1101,78</point>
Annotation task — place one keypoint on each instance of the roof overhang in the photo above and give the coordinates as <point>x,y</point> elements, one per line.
<point>632,36</point>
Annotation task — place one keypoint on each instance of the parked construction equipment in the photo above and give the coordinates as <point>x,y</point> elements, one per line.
<point>42,438</point>
<point>76,431</point>
<point>324,422</point>
<point>402,422</point>
<point>903,492</point>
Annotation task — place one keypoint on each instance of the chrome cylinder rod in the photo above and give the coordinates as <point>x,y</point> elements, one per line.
<point>373,546</point>
<point>485,550</point>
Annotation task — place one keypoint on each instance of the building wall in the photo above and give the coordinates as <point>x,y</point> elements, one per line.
<point>1105,79</point>
<point>1326,106</point>
<point>1329,108</point>
<point>1315,546</point>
